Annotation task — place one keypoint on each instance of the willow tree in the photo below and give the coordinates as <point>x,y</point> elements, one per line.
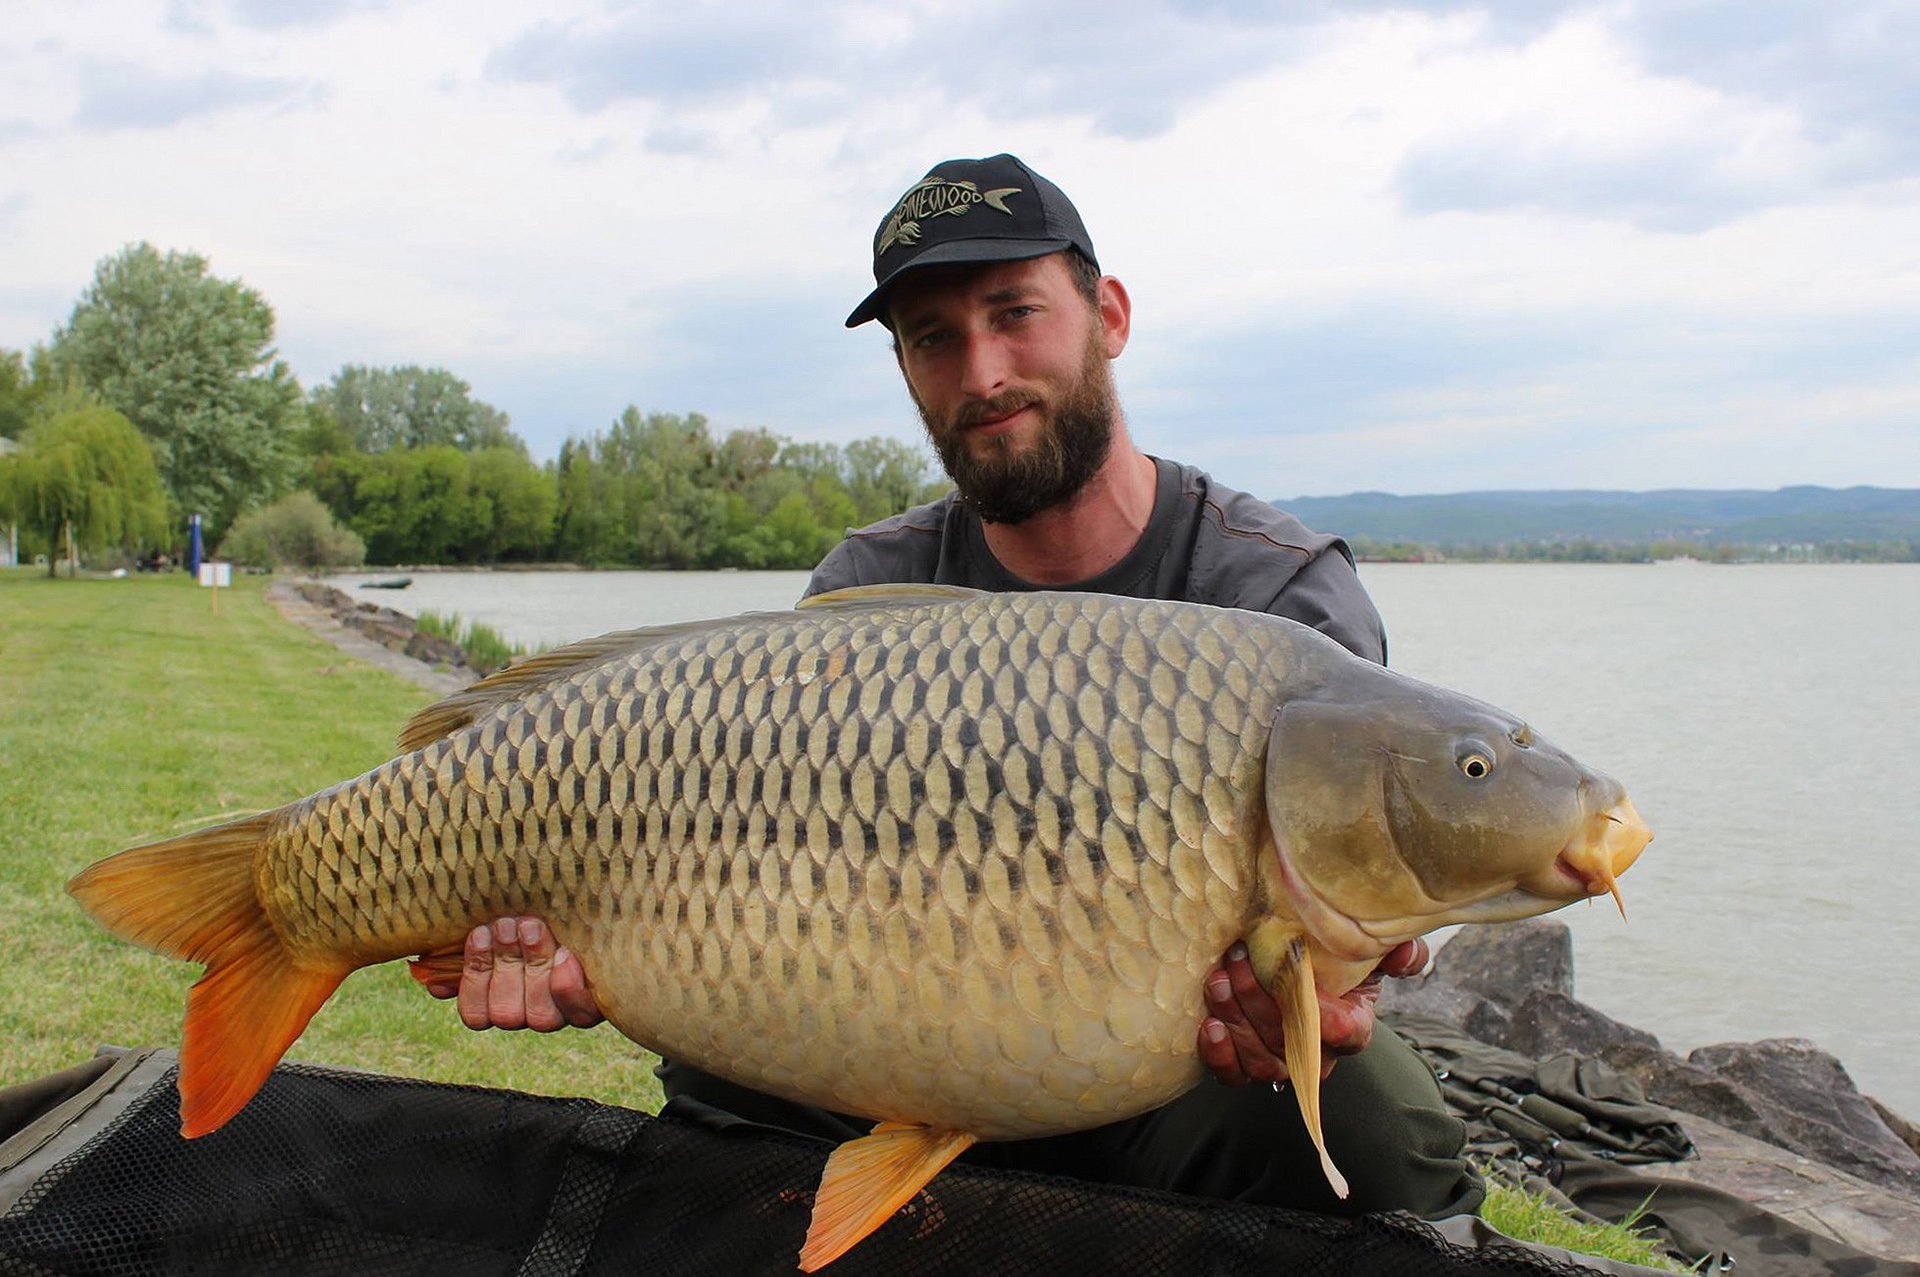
<point>84,480</point>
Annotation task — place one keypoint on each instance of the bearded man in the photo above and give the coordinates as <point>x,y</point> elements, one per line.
<point>1005,330</point>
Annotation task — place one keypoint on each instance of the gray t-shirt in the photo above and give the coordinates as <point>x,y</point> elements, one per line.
<point>1205,543</point>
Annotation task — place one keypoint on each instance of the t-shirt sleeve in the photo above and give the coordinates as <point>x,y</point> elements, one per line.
<point>838,571</point>
<point>1326,593</point>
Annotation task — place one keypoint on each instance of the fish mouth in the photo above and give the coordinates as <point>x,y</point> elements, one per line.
<point>1606,847</point>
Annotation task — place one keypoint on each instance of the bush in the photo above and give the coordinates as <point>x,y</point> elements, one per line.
<point>295,531</point>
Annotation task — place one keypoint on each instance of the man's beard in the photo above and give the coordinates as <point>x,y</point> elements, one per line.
<point>1005,483</point>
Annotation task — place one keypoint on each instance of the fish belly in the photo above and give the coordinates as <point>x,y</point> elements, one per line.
<point>958,863</point>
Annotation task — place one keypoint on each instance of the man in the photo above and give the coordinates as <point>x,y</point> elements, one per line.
<point>1004,329</point>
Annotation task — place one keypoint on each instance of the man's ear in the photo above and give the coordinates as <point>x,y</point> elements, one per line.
<point>1116,315</point>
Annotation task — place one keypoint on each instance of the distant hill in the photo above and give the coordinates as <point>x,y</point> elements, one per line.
<point>1706,517</point>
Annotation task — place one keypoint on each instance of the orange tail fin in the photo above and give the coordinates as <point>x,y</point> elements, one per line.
<point>193,897</point>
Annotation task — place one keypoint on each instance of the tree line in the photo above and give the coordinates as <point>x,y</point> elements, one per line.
<point>1589,550</point>
<point>163,397</point>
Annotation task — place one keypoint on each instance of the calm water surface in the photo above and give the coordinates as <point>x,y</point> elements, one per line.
<point>1766,721</point>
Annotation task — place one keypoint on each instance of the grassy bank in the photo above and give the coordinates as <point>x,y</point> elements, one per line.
<point>128,712</point>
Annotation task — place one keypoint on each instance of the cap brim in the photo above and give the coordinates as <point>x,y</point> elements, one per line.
<point>955,253</point>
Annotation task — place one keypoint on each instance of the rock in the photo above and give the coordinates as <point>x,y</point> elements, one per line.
<point>1909,1133</point>
<point>433,649</point>
<point>1436,999</point>
<point>1507,961</point>
<point>1811,1106</point>
<point>1549,1021</point>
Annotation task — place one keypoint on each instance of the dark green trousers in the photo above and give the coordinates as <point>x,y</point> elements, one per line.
<point>1386,1126</point>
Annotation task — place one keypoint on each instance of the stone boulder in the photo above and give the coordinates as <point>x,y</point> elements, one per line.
<point>1548,1021</point>
<point>1505,962</point>
<point>1812,1106</point>
<point>1482,976</point>
<point>1434,998</point>
<point>433,649</point>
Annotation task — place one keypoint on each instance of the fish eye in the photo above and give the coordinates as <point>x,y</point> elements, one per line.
<point>1475,763</point>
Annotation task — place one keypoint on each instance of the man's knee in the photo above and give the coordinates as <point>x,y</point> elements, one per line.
<point>1387,1130</point>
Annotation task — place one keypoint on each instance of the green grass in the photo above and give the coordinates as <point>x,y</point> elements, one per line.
<point>486,648</point>
<point>129,712</point>
<point>1531,1217</point>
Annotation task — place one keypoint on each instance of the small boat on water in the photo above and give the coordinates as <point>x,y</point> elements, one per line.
<point>388,583</point>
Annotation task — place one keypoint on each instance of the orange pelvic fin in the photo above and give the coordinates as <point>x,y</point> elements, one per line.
<point>439,966</point>
<point>1300,1016</point>
<point>868,1179</point>
<point>193,897</point>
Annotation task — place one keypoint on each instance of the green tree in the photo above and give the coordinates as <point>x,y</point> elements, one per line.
<point>24,384</point>
<point>885,476</point>
<point>439,504</point>
<point>380,409</point>
<point>189,360</point>
<point>83,481</point>
<point>586,522</point>
<point>295,531</point>
<point>514,510</point>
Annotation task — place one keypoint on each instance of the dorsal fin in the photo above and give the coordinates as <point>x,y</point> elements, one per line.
<point>537,673</point>
<point>899,594</point>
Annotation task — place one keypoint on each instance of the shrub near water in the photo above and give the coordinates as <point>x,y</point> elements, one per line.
<point>294,532</point>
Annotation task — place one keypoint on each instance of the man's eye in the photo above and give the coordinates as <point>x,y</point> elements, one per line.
<point>927,341</point>
<point>1019,312</point>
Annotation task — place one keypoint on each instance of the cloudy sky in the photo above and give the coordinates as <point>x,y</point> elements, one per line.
<point>1419,247</point>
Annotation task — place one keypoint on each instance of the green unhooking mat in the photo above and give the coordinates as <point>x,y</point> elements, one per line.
<point>329,1172</point>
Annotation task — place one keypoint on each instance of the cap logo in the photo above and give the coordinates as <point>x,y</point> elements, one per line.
<point>937,197</point>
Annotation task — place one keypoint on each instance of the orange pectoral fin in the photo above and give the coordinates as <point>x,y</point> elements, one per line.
<point>1300,1016</point>
<point>868,1179</point>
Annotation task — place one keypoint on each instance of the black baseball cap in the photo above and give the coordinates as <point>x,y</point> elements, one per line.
<point>991,210</point>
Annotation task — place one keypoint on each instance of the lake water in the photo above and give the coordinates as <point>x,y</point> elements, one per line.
<point>1765,719</point>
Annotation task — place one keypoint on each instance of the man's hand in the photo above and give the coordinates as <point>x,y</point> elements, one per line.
<point>1242,1039</point>
<point>512,977</point>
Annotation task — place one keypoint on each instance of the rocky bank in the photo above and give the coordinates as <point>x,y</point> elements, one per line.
<point>1778,1122</point>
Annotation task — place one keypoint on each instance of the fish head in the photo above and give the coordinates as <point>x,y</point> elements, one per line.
<point>1397,807</point>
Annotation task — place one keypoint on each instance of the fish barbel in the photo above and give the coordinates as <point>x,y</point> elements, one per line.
<point>957,862</point>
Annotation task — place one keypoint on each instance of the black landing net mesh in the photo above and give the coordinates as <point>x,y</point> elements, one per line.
<point>330,1172</point>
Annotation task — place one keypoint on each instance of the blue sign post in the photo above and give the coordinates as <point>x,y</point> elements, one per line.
<point>195,552</point>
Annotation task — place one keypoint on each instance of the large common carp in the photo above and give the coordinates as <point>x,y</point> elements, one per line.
<point>955,861</point>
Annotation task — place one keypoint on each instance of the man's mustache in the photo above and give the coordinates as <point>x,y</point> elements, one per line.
<point>983,410</point>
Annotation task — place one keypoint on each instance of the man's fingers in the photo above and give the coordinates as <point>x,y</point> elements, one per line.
<point>571,993</point>
<point>1243,1055</point>
<point>1218,1054</point>
<point>536,950</point>
<point>476,978</point>
<point>507,990</point>
<point>1261,1013</point>
<point>1409,958</point>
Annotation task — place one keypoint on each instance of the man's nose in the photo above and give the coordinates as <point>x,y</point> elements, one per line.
<point>984,366</point>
